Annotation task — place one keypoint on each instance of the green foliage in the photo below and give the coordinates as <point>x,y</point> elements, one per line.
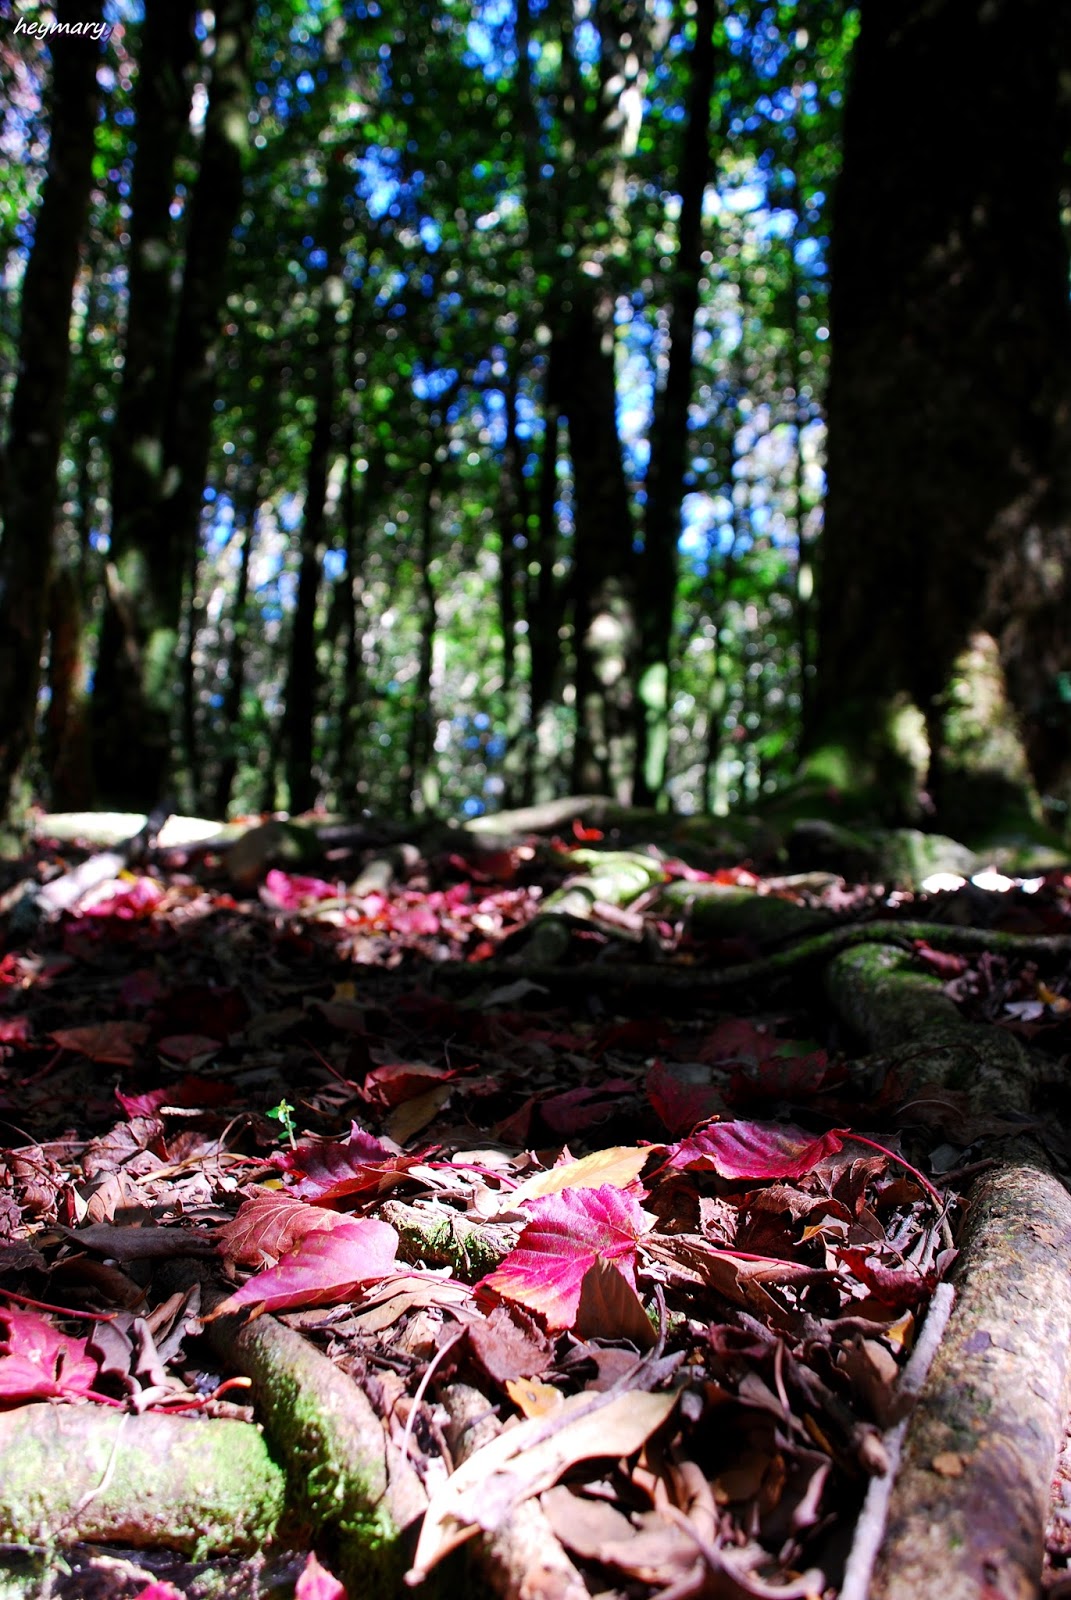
<point>489,161</point>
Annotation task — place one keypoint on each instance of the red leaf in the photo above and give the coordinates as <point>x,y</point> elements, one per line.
<point>324,1268</point>
<point>398,1081</point>
<point>326,1170</point>
<point>112,1043</point>
<point>15,1030</point>
<point>270,1225</point>
<point>942,962</point>
<point>580,1108</point>
<point>289,890</point>
<point>189,1091</point>
<point>567,1233</point>
<point>316,1583</point>
<point>681,1105</point>
<point>37,1362</point>
<point>737,1039</point>
<point>755,1150</point>
<point>899,1286</point>
<point>139,898</point>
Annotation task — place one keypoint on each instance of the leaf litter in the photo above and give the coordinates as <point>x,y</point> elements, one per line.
<point>683,1280</point>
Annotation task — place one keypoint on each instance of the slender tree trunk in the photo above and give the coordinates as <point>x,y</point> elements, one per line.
<point>38,406</point>
<point>423,786</point>
<point>302,685</point>
<point>231,709</point>
<point>545,607</point>
<point>134,691</point>
<point>659,563</point>
<point>603,560</point>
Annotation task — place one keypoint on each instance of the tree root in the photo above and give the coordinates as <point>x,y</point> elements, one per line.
<point>523,1560</point>
<point>666,978</point>
<point>74,1473</point>
<point>968,1511</point>
<point>329,1438</point>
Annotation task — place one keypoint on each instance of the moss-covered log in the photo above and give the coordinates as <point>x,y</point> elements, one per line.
<point>74,1473</point>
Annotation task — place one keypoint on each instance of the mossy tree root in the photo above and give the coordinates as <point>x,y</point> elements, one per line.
<point>83,1473</point>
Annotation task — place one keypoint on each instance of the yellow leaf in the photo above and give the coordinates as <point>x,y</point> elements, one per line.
<point>620,1165</point>
<point>533,1398</point>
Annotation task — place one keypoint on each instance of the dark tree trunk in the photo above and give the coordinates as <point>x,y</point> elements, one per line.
<point>545,606</point>
<point>160,497</point>
<point>423,787</point>
<point>358,508</point>
<point>659,563</point>
<point>38,405</point>
<point>231,709</point>
<point>948,507</point>
<point>301,684</point>
<point>603,558</point>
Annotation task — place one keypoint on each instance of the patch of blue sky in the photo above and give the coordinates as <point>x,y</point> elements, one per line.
<point>488,48</point>
<point>432,384</point>
<point>289,511</point>
<point>334,565</point>
<point>378,182</point>
<point>430,234</point>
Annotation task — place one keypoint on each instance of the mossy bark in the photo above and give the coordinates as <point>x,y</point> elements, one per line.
<point>74,1473</point>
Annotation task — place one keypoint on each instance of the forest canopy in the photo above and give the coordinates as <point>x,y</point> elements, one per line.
<point>428,407</point>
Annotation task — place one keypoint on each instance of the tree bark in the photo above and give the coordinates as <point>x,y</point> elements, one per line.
<point>160,497</point>
<point>659,563</point>
<point>949,491</point>
<point>302,678</point>
<point>38,406</point>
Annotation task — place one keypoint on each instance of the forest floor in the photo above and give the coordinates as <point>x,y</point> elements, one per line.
<point>538,1202</point>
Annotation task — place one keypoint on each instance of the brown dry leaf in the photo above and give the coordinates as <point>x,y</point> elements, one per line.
<point>610,1308</point>
<point>619,1165</point>
<point>524,1460</point>
<point>408,1118</point>
<point>947,1464</point>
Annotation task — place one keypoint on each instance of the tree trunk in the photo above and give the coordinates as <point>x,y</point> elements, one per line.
<point>659,563</point>
<point>301,685</point>
<point>949,496</point>
<point>604,633</point>
<point>159,507</point>
<point>423,782</point>
<point>38,405</point>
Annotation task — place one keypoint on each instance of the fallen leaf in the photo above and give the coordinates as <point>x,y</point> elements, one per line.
<point>533,1398</point>
<point>755,1150</point>
<point>619,1165</point>
<point>270,1225</point>
<point>566,1234</point>
<point>316,1583</point>
<point>324,1268</point>
<point>113,1044</point>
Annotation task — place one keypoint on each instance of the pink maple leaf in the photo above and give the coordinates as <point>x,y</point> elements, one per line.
<point>316,1583</point>
<point>37,1362</point>
<point>324,1268</point>
<point>755,1150</point>
<point>567,1233</point>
